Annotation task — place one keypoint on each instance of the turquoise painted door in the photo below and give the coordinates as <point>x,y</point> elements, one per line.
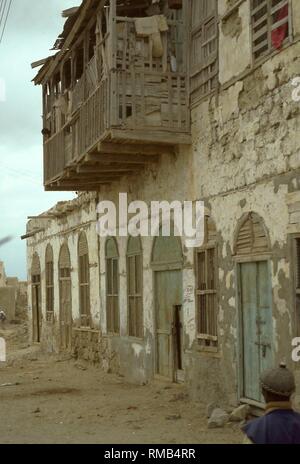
<point>257,332</point>
<point>168,289</point>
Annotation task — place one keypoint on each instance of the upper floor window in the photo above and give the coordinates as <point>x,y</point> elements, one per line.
<point>270,26</point>
<point>135,287</point>
<point>204,47</point>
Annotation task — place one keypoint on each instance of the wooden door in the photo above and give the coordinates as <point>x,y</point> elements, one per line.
<point>168,289</point>
<point>257,333</point>
<point>65,313</point>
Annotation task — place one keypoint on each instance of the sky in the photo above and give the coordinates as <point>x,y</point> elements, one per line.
<point>32,28</point>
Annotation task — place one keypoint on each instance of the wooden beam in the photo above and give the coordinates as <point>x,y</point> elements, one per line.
<point>76,182</point>
<point>151,136</point>
<point>90,179</point>
<point>84,7</point>
<point>134,148</point>
<point>89,188</point>
<point>98,169</point>
<point>90,176</point>
<point>70,12</point>
<point>119,158</point>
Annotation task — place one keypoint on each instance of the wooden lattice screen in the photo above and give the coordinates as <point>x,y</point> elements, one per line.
<point>204,48</point>
<point>112,287</point>
<point>270,25</point>
<point>135,287</point>
<point>206,289</point>
<point>49,280</point>
<point>84,280</point>
<point>252,237</point>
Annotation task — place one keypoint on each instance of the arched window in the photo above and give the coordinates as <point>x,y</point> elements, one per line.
<point>49,282</point>
<point>251,237</point>
<point>84,280</point>
<point>135,287</point>
<point>112,286</point>
<point>206,288</point>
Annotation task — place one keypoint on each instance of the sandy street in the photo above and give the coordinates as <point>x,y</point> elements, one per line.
<point>49,399</point>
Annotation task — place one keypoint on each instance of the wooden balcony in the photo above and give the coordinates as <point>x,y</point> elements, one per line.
<point>127,108</point>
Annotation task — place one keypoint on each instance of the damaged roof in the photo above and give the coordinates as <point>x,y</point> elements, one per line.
<point>77,18</point>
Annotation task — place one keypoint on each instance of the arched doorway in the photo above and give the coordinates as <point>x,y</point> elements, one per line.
<point>36,299</point>
<point>167,263</point>
<point>253,254</point>
<point>65,298</point>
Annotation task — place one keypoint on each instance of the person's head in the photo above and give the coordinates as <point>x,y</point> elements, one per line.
<point>278,384</point>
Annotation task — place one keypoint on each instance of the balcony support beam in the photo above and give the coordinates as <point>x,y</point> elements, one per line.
<point>134,149</point>
<point>99,169</point>
<point>119,158</point>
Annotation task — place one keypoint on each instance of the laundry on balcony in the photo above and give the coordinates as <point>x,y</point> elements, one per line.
<point>153,27</point>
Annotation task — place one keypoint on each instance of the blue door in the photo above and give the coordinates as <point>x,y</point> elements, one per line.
<point>168,289</point>
<point>257,330</point>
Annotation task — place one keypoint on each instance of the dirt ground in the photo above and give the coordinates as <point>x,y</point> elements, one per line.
<point>50,399</point>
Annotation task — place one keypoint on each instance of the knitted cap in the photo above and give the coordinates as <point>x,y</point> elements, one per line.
<point>279,381</point>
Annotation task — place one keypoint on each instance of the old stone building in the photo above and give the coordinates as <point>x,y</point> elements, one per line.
<point>128,109</point>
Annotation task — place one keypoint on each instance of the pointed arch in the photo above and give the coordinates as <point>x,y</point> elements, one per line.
<point>251,237</point>
<point>64,261</point>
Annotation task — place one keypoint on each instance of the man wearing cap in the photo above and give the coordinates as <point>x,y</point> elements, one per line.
<point>280,424</point>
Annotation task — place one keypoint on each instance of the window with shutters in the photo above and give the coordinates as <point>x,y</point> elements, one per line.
<point>252,237</point>
<point>112,287</point>
<point>84,280</point>
<point>206,289</point>
<point>270,20</point>
<point>135,287</point>
<point>297,283</point>
<point>49,283</point>
<point>204,48</point>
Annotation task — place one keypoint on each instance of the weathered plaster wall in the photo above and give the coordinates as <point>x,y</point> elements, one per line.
<point>235,46</point>
<point>296,17</point>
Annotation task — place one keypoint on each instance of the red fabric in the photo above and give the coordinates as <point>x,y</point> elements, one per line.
<point>279,34</point>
